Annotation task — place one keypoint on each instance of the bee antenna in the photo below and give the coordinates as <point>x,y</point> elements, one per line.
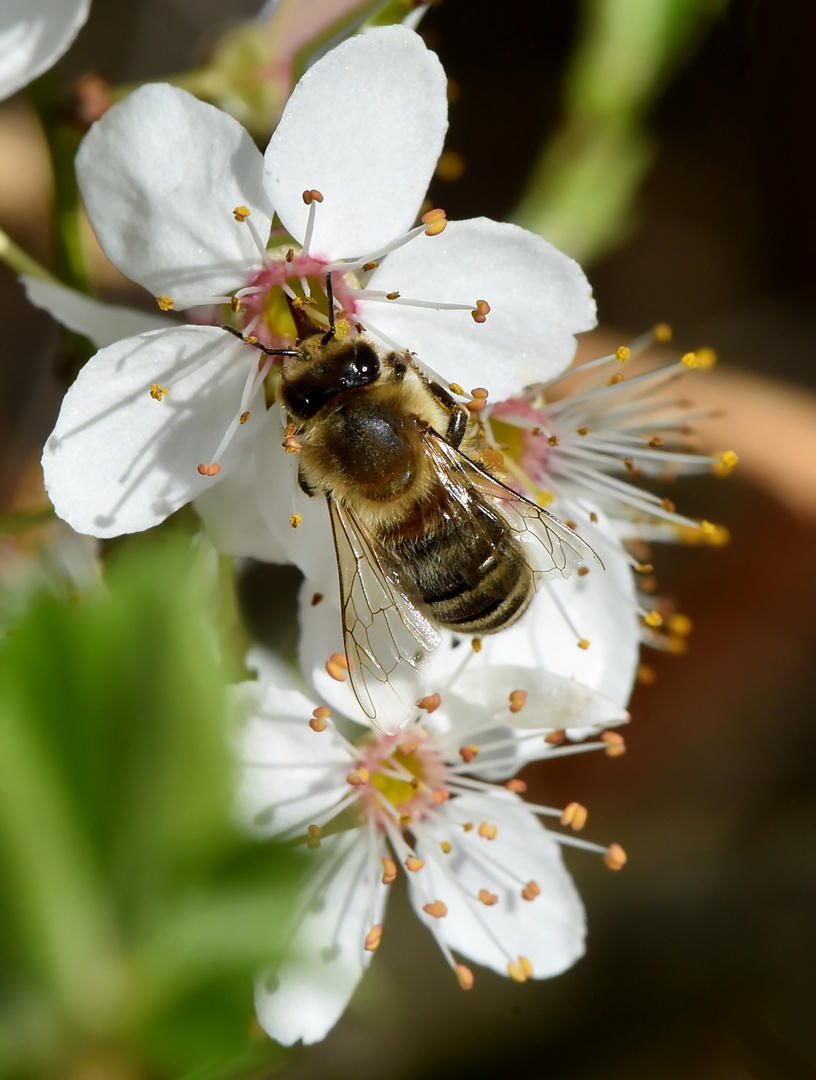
<point>258,344</point>
<point>330,298</point>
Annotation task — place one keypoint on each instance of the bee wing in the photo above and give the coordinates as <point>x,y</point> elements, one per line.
<point>552,548</point>
<point>385,636</point>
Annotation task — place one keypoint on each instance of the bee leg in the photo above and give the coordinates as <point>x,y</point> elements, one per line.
<point>304,485</point>
<point>457,415</point>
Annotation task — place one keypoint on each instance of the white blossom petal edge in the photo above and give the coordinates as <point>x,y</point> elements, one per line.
<point>33,36</point>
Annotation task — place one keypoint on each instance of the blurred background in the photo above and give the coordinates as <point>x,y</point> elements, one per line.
<point>695,139</point>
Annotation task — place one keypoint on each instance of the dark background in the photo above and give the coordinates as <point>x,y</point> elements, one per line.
<point>701,960</point>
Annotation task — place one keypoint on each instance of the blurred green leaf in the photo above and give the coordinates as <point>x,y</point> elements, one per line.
<point>133,914</point>
<point>583,188</point>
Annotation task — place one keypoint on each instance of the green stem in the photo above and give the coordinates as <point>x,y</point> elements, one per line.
<point>20,261</point>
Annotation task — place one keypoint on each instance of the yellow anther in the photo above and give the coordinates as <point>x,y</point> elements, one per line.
<point>236,304</point>
<point>706,358</point>
<point>488,898</point>
<point>371,265</point>
<point>615,857</point>
<point>518,699</point>
<point>413,864</point>
<point>476,644</point>
<point>689,360</point>
<point>615,743</point>
<point>553,440</point>
<point>290,255</point>
<point>630,465</point>
<point>545,498</point>
<point>487,831</point>
<point>405,820</point>
<point>729,459</point>
<point>389,871</point>
<point>209,470</point>
<point>392,296</point>
<point>373,939</point>
<point>358,777</point>
<point>676,645</point>
<point>315,830</point>
<point>707,529</point>
<point>583,431</point>
<point>430,703</point>
<point>583,644</point>
<point>653,619</point>
<point>158,392</point>
<point>468,826</point>
<point>646,675</point>
<point>622,353</point>
<point>468,753</point>
<point>464,975</point>
<point>241,213</point>
<point>516,785</point>
<point>530,891</point>
<point>680,624</point>
<point>313,839</point>
<point>436,222</point>
<point>166,303</point>
<point>481,311</point>
<point>312,195</point>
<point>520,971</point>
<point>242,419</point>
<point>655,442</point>
<point>342,329</point>
<point>575,815</point>
<point>408,748</point>
<point>437,909</point>
<point>295,520</point>
<point>663,333</point>
<point>446,847</point>
<point>614,379</point>
<point>455,388</point>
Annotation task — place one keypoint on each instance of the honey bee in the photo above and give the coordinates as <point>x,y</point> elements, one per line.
<point>426,537</point>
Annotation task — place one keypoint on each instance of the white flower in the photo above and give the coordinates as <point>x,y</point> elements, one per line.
<point>580,450</point>
<point>182,202</point>
<point>33,36</point>
<point>484,875</point>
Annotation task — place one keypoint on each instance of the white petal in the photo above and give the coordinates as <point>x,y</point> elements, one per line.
<point>118,461</point>
<point>102,323</point>
<point>539,299</point>
<point>365,127</point>
<point>161,174</point>
<point>308,993</point>
<point>33,36</point>
<point>549,930</point>
<point>231,510</point>
<point>291,776</point>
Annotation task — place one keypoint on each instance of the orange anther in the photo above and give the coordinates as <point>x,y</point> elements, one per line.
<point>516,785</point>
<point>317,723</point>
<point>440,796</point>
<point>475,405</point>
<point>358,777</point>
<point>389,871</point>
<point>488,832</point>
<point>209,470</point>
<point>575,815</point>
<point>435,220</point>
<point>464,975</point>
<point>336,671</point>
<point>555,737</point>
<point>481,311</point>
<point>407,748</point>
<point>517,971</point>
<point>430,703</point>
<point>531,890</point>
<point>437,909</point>
<point>479,392</point>
<point>243,418</point>
<point>373,939</point>
<point>616,744</point>
<point>518,699</point>
<point>488,898</point>
<point>615,857</point>
<point>468,753</point>
<point>313,195</point>
<point>413,863</point>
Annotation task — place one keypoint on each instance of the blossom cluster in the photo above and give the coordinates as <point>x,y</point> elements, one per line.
<point>323,226</point>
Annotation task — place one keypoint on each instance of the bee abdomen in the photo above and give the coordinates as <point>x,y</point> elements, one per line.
<point>470,579</point>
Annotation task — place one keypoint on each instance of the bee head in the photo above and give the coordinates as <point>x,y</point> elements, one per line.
<point>323,369</point>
